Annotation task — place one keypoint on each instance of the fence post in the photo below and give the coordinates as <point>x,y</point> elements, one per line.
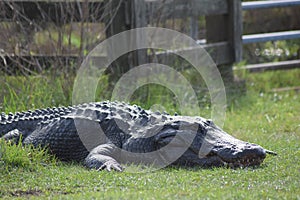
<point>116,21</point>
<point>228,28</point>
<point>125,15</point>
<point>236,28</point>
<point>138,11</point>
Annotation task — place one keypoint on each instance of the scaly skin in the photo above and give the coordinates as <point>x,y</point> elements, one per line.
<point>105,134</point>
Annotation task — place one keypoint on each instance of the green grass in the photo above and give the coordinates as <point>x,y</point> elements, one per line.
<point>260,116</point>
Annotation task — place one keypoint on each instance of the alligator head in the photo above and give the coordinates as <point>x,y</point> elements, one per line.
<point>205,144</point>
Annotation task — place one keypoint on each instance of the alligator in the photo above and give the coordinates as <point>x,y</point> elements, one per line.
<point>106,135</point>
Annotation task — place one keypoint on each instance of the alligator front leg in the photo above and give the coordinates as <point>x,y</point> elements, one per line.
<point>102,157</point>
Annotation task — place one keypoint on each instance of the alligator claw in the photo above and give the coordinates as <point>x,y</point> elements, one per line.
<point>111,165</point>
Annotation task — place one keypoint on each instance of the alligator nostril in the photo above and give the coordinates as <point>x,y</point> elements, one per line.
<point>209,122</point>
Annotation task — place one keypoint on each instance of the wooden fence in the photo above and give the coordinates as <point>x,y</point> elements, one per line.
<point>223,39</point>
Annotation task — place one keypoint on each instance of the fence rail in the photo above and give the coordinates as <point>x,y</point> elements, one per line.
<point>265,37</point>
<point>254,5</point>
<point>292,64</point>
<point>179,8</point>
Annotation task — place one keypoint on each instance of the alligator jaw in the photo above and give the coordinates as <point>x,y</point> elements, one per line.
<point>254,160</point>
<point>245,162</point>
<point>191,158</point>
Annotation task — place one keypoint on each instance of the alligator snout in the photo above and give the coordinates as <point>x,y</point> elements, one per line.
<point>243,155</point>
<point>231,151</point>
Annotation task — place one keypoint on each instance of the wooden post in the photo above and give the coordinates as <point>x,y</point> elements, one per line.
<point>194,27</point>
<point>138,11</point>
<point>236,28</point>
<point>116,21</point>
<point>227,27</point>
<point>125,15</point>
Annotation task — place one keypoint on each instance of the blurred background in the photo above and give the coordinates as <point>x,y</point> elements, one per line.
<point>47,41</point>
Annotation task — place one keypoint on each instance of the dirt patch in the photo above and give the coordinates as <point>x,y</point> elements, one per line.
<point>19,193</point>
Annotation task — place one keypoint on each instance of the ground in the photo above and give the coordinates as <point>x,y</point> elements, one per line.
<point>261,116</point>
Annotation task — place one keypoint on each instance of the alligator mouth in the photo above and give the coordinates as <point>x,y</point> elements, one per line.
<point>245,162</point>
<point>224,158</point>
<point>190,158</point>
<point>216,161</point>
<point>252,160</point>
<point>242,163</point>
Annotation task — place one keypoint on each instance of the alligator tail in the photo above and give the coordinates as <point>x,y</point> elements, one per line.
<point>27,121</point>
